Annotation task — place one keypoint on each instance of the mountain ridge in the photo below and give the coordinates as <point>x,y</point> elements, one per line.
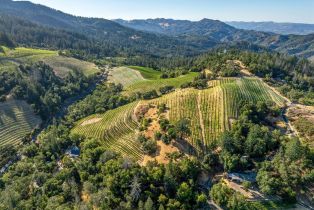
<point>156,37</point>
<point>284,28</point>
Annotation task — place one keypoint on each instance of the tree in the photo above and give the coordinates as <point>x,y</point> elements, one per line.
<point>182,128</point>
<point>150,147</point>
<point>220,194</point>
<point>161,207</point>
<point>149,204</point>
<point>201,200</point>
<point>185,193</point>
<point>135,189</point>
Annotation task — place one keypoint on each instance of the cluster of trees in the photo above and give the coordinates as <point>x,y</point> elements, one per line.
<point>230,199</point>
<point>290,170</point>
<point>6,41</point>
<point>103,98</point>
<point>284,165</point>
<point>40,87</point>
<point>46,178</point>
<point>248,139</point>
<point>7,153</point>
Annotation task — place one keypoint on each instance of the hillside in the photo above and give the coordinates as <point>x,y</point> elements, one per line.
<point>210,111</point>
<point>93,36</point>
<point>61,65</point>
<point>209,33</point>
<point>102,38</point>
<point>17,119</point>
<point>273,27</point>
<point>140,80</point>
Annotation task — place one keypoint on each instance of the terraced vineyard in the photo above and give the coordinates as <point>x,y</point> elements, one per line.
<point>211,111</point>
<point>116,128</point>
<point>17,119</point>
<point>140,79</point>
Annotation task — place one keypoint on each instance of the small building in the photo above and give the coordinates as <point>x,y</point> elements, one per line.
<point>73,152</point>
<point>241,177</point>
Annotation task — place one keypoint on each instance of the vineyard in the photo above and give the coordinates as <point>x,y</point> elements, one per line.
<point>116,128</point>
<point>17,119</point>
<point>125,76</point>
<point>141,79</point>
<point>11,58</point>
<point>212,111</point>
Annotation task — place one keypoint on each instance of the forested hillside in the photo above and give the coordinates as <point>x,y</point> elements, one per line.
<point>212,32</point>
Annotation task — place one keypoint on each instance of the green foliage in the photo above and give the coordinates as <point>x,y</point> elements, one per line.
<point>6,41</point>
<point>183,128</point>
<point>287,171</point>
<point>150,147</point>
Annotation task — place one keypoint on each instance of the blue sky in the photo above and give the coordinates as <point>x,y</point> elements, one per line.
<point>225,10</point>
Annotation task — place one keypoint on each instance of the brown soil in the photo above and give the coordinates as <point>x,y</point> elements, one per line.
<point>161,154</point>
<point>91,121</point>
<point>154,126</point>
<point>140,110</point>
<point>151,112</point>
<point>298,111</point>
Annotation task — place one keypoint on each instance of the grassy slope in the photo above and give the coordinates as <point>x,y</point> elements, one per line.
<point>147,73</point>
<point>151,79</point>
<point>16,120</point>
<point>125,76</point>
<point>61,65</point>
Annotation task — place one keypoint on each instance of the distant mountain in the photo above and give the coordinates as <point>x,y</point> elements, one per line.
<point>178,27</point>
<point>278,28</point>
<point>213,29</point>
<point>105,32</point>
<point>36,25</point>
<point>218,32</point>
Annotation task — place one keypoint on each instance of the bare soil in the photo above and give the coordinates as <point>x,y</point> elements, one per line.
<point>161,154</point>
<point>91,121</point>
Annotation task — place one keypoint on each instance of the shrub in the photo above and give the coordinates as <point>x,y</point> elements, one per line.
<point>150,147</point>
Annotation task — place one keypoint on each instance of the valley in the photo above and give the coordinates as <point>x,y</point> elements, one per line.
<point>159,113</point>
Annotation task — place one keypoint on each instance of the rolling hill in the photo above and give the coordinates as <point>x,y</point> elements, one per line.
<point>11,58</point>
<point>140,80</point>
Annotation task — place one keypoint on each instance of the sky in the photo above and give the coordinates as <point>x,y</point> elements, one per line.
<point>299,11</point>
